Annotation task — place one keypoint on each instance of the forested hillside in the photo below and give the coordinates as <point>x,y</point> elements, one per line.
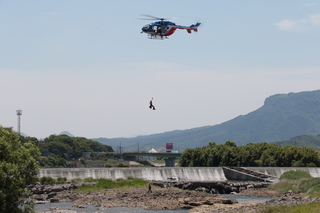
<point>281,117</point>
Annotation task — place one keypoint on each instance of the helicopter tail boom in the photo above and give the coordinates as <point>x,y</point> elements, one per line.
<point>193,27</point>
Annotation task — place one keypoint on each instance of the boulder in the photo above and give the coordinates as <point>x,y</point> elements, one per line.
<point>51,195</point>
<point>54,200</point>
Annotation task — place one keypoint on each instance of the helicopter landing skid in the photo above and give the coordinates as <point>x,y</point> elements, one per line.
<point>158,37</point>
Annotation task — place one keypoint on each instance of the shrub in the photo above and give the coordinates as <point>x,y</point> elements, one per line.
<point>305,185</point>
<point>295,175</point>
<point>61,179</point>
<point>314,191</point>
<point>82,161</point>
<point>90,179</point>
<point>76,180</point>
<point>108,165</point>
<point>47,181</point>
<point>122,164</point>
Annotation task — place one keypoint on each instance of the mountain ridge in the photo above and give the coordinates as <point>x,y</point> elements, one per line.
<point>282,116</point>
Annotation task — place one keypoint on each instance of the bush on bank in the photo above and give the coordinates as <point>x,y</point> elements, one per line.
<point>298,182</point>
<point>295,175</point>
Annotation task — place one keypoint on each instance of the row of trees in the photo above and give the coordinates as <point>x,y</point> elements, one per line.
<point>251,155</point>
<point>56,150</point>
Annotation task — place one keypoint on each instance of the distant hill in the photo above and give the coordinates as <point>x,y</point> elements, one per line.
<point>66,133</point>
<point>303,140</point>
<point>281,117</point>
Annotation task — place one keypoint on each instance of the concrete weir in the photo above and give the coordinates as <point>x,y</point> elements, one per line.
<point>158,174</point>
<point>278,171</point>
<point>165,173</point>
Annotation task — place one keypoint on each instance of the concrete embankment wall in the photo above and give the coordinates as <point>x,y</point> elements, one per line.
<point>160,174</point>
<point>164,173</point>
<point>278,171</point>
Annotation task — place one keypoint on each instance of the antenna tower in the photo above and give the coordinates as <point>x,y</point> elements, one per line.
<point>19,113</point>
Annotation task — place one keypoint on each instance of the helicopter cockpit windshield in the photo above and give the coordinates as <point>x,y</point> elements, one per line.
<point>148,26</point>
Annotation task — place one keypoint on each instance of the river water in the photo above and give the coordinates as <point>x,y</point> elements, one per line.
<point>92,209</point>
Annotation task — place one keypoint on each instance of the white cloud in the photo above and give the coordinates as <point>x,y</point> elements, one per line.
<point>285,24</point>
<point>310,4</point>
<point>312,20</point>
<point>315,19</point>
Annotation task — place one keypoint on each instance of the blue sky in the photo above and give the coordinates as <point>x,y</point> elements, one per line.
<point>84,67</point>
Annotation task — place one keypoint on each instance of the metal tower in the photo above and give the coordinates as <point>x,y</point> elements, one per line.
<point>19,113</point>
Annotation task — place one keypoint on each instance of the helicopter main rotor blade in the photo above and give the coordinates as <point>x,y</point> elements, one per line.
<point>147,18</point>
<point>150,16</point>
<point>153,17</point>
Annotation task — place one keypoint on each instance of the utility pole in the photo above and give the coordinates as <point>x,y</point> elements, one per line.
<point>19,113</point>
<point>138,151</point>
<point>121,150</point>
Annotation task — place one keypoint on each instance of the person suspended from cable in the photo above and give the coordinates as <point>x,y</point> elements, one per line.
<point>151,105</point>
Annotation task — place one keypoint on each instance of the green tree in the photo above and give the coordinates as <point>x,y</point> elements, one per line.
<point>18,168</point>
<point>252,154</point>
<point>57,149</point>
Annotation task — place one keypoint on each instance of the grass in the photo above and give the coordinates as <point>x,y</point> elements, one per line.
<point>102,184</point>
<point>300,183</point>
<point>305,185</point>
<point>313,207</point>
<point>314,191</point>
<point>295,175</point>
<point>283,186</point>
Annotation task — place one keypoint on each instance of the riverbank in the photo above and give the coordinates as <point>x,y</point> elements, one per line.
<point>139,200</point>
<point>158,199</point>
<point>166,197</point>
<point>287,199</point>
<point>171,198</point>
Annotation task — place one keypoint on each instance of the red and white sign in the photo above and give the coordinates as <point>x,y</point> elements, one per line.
<point>169,146</point>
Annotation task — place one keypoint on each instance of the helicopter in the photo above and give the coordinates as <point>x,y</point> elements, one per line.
<point>163,28</point>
